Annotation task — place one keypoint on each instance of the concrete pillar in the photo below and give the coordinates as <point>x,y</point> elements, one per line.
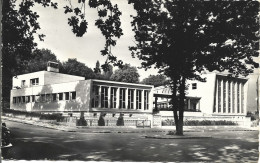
<point>188,103</point>
<point>109,97</point>
<point>126,98</point>
<point>142,100</point>
<point>99,96</point>
<point>135,98</point>
<point>231,97</point>
<point>117,97</point>
<point>240,97</point>
<point>235,102</point>
<point>216,105</point>
<point>222,98</point>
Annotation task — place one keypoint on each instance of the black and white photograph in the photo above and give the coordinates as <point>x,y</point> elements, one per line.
<point>130,81</point>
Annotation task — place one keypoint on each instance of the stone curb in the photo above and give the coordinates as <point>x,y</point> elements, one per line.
<point>178,137</point>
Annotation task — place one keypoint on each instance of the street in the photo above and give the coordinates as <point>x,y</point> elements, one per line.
<point>38,143</point>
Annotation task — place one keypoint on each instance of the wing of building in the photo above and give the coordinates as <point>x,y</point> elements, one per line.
<point>49,91</point>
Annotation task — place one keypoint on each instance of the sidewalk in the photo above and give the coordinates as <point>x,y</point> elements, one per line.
<point>117,129</point>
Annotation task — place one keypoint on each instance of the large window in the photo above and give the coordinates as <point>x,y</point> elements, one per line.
<point>27,99</point>
<point>34,81</point>
<point>67,95</point>
<point>95,99</point>
<point>122,98</point>
<point>60,96</point>
<point>48,97</point>
<point>54,97</point>
<point>113,97</point>
<point>146,100</point>
<point>130,99</point>
<point>73,95</point>
<point>14,100</point>
<point>104,97</point>
<point>33,98</point>
<point>138,99</point>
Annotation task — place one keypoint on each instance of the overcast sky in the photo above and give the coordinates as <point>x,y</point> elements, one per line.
<point>64,44</point>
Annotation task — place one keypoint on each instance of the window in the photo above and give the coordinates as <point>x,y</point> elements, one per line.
<point>122,98</point>
<point>73,95</point>
<point>48,97</point>
<point>34,81</point>
<point>95,100</point>
<point>19,99</point>
<point>130,99</point>
<point>23,99</point>
<point>54,97</point>
<point>194,85</point>
<point>138,99</point>
<point>113,97</point>
<point>37,98</point>
<point>33,98</point>
<point>67,95</point>
<point>60,96</point>
<point>27,99</point>
<point>42,98</point>
<point>146,100</point>
<point>22,83</point>
<point>14,100</point>
<point>104,97</point>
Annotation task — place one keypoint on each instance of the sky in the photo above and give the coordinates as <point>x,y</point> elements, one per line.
<point>64,44</point>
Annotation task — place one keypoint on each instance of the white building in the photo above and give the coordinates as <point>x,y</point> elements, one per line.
<point>53,92</point>
<point>219,95</point>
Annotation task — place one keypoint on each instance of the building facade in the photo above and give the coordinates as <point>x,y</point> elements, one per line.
<point>219,95</point>
<point>53,92</point>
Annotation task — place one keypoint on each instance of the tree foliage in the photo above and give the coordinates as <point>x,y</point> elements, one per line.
<point>156,80</point>
<point>74,67</point>
<point>127,74</point>
<point>39,59</point>
<point>184,39</point>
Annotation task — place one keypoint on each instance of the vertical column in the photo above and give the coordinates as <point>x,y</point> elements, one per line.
<point>126,98</point>
<point>227,96</point>
<point>99,96</point>
<point>109,97</point>
<point>240,98</point>
<point>235,102</point>
<point>222,93</point>
<point>134,98</point>
<point>231,97</point>
<point>117,97</point>
<point>188,103</point>
<point>142,100</point>
<point>216,97</point>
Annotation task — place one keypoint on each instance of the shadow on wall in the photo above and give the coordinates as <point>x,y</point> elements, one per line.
<point>82,102</point>
<point>46,103</point>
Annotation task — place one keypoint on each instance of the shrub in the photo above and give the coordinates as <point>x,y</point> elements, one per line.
<point>101,121</point>
<point>120,120</point>
<point>169,122</point>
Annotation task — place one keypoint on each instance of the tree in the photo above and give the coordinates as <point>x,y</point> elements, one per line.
<point>156,80</point>
<point>184,39</point>
<point>74,67</point>
<point>127,74</point>
<point>20,26</point>
<point>39,59</point>
<point>108,72</point>
<point>97,69</point>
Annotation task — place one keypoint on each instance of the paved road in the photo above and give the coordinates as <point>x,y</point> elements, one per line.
<point>37,143</point>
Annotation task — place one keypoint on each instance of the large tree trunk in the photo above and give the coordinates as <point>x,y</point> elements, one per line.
<point>179,118</point>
